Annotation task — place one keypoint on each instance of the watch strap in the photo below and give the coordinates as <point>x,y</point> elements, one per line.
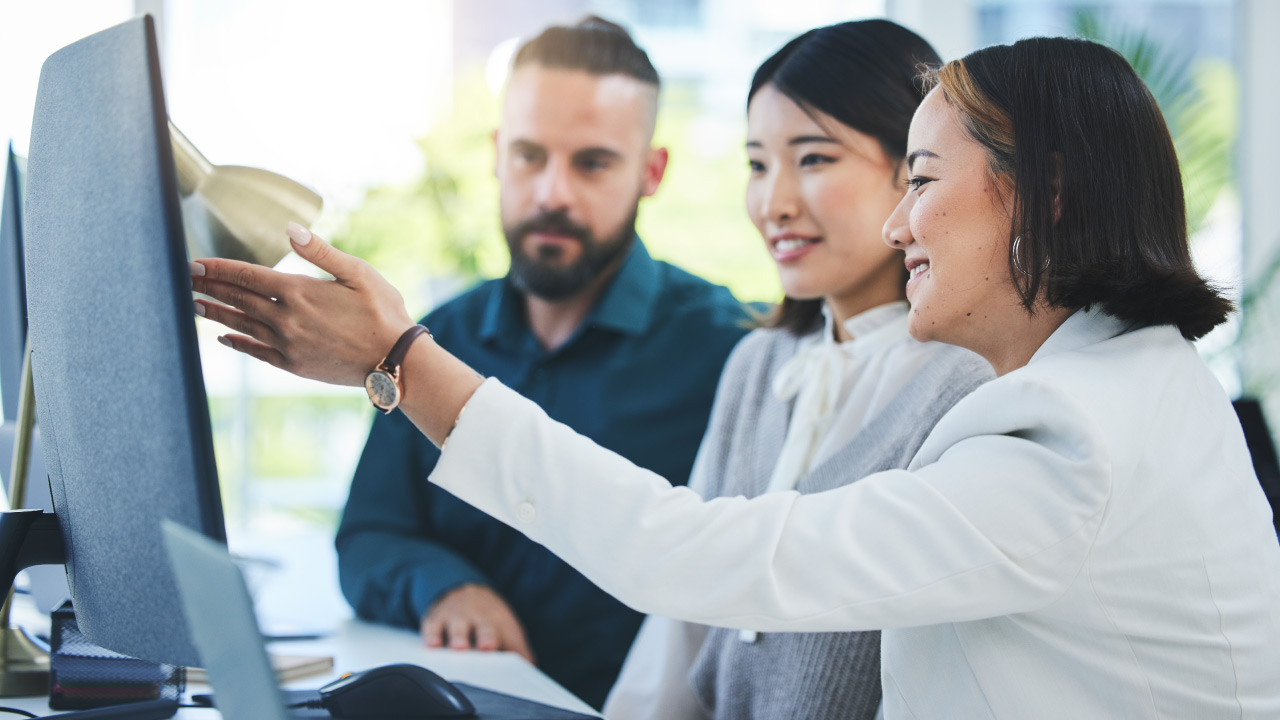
<point>395,358</point>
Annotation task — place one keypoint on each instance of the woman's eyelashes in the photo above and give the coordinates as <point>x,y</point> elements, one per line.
<point>810,159</point>
<point>806,160</point>
<point>918,181</point>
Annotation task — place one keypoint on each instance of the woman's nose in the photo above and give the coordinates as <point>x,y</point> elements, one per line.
<point>897,231</point>
<point>780,203</point>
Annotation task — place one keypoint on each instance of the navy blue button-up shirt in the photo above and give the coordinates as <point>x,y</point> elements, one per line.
<point>638,378</point>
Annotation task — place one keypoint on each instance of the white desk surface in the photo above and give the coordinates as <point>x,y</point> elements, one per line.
<point>359,645</point>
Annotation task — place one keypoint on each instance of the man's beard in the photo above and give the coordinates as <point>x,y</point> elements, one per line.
<point>543,276</point>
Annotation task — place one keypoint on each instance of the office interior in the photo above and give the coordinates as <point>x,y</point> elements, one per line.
<point>399,98</point>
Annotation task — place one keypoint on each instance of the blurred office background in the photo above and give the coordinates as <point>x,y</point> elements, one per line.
<point>385,107</point>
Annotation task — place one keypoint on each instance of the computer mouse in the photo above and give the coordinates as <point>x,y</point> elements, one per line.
<point>395,691</point>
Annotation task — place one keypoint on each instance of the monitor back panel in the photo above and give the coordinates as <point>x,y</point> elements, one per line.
<point>13,310</point>
<point>119,389</point>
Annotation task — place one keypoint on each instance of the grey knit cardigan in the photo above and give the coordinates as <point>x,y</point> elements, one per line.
<point>805,675</point>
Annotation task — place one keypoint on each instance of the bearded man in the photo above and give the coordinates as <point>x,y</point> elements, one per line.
<point>622,348</point>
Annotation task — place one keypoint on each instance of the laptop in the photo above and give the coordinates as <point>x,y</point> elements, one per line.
<point>224,630</point>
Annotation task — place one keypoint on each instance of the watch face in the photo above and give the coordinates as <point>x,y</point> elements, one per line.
<point>382,389</point>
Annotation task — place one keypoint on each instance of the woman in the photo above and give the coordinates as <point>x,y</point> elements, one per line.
<point>1081,537</point>
<point>836,389</point>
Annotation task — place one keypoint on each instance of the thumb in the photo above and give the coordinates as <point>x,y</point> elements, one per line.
<point>313,249</point>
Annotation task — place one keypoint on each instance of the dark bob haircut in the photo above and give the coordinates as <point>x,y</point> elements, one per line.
<point>593,45</point>
<point>864,74</point>
<point>1074,135</point>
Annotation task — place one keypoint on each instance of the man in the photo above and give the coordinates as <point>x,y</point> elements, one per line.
<point>621,348</point>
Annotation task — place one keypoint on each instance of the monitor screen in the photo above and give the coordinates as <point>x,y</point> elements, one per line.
<point>119,388</point>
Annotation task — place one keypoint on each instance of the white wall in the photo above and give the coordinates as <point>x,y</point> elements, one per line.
<point>1258,152</point>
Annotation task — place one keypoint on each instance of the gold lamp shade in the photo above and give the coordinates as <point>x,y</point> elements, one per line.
<point>237,212</point>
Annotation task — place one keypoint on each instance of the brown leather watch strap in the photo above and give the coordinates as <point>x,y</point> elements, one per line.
<point>396,357</point>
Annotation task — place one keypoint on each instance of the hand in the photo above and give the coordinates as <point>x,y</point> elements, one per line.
<point>474,616</point>
<point>334,331</point>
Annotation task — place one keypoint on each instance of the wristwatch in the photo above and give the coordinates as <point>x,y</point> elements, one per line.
<point>383,383</point>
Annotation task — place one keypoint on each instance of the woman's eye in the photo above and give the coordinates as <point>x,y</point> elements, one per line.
<point>756,166</point>
<point>918,182</point>
<point>815,159</point>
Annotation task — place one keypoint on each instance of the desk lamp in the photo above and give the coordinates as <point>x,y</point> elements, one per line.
<point>227,211</point>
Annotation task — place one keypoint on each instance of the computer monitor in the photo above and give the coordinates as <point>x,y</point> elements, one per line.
<point>13,309</point>
<point>118,381</point>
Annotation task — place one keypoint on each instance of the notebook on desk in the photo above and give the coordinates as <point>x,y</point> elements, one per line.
<point>224,630</point>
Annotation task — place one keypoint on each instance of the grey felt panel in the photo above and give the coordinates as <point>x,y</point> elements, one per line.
<point>223,627</point>
<point>119,393</point>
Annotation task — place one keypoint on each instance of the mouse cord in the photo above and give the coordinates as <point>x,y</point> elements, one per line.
<point>16,711</point>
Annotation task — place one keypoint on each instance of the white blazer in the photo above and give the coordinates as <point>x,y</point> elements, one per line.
<point>1081,538</point>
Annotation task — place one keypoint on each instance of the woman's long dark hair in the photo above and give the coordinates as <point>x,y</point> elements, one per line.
<point>1071,130</point>
<point>866,75</point>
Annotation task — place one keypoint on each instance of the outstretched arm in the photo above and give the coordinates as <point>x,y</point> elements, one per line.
<point>335,330</point>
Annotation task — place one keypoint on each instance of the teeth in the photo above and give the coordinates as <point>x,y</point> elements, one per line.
<point>790,244</point>
<point>919,269</point>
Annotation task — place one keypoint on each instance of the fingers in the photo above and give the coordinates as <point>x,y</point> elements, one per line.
<point>433,631</point>
<point>313,249</point>
<point>256,279</point>
<point>459,630</point>
<point>259,306</point>
<point>237,321</point>
<point>487,637</point>
<point>255,349</point>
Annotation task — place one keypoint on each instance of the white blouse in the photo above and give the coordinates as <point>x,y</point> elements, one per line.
<point>839,387</point>
<point>1082,537</point>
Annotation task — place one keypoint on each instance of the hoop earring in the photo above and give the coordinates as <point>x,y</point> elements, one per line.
<point>1014,250</point>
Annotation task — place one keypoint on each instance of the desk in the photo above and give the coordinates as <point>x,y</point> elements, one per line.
<point>359,645</point>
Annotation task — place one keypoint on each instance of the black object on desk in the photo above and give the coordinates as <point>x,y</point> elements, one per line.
<point>1258,437</point>
<point>401,690</point>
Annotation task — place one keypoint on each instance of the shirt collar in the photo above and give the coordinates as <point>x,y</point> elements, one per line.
<point>1083,328</point>
<point>627,305</point>
<point>882,324</point>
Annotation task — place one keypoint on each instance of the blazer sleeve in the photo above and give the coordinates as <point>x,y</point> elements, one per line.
<point>997,516</point>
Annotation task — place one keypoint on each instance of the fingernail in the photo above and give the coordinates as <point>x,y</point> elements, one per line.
<point>223,339</point>
<point>196,269</point>
<point>297,233</point>
<point>200,309</point>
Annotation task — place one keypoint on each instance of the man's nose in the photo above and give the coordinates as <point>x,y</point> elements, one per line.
<point>555,186</point>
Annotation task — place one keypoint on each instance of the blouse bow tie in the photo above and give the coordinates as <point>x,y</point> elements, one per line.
<point>813,377</point>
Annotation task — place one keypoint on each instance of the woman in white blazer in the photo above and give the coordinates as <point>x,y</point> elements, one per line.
<point>1082,537</point>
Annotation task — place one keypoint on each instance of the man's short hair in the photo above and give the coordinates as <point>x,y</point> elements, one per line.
<point>593,45</point>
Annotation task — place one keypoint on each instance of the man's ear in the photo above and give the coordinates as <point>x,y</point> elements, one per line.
<point>655,166</point>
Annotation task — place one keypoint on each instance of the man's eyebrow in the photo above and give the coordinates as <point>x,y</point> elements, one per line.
<point>525,145</point>
<point>911,159</point>
<point>597,152</point>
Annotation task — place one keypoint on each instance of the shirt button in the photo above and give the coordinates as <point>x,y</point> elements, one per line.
<point>526,512</point>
